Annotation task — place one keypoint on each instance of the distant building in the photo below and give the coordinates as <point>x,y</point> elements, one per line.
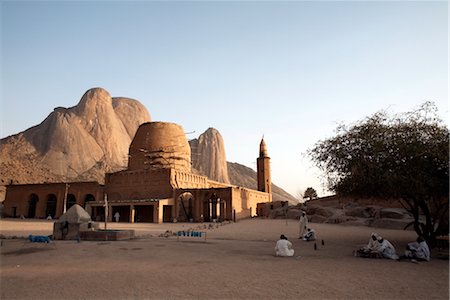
<point>157,186</point>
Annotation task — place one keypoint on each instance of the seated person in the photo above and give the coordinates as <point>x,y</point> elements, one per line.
<point>387,249</point>
<point>284,247</point>
<point>418,250</point>
<point>310,235</point>
<point>372,249</point>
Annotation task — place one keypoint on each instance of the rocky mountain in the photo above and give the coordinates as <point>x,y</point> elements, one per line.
<point>78,143</point>
<point>208,155</point>
<point>83,142</point>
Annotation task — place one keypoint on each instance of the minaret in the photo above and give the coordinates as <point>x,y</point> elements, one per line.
<point>263,170</point>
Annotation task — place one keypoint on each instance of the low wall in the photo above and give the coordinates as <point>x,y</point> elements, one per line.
<point>107,235</point>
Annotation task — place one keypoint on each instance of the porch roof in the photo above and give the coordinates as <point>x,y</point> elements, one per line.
<point>130,201</point>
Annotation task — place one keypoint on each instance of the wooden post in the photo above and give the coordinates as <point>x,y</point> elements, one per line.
<point>65,198</point>
<point>106,211</point>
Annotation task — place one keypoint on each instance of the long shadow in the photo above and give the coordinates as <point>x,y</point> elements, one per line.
<point>26,251</point>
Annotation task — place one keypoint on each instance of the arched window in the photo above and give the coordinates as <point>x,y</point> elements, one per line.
<point>88,198</point>
<point>51,206</point>
<point>71,201</point>
<point>185,211</point>
<point>32,203</point>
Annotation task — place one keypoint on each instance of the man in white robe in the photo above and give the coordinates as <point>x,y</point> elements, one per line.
<point>302,225</point>
<point>418,250</point>
<point>310,235</point>
<point>387,249</point>
<point>372,249</point>
<point>117,216</point>
<point>373,244</point>
<point>284,247</point>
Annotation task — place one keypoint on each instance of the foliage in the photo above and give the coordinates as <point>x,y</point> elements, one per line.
<point>310,193</point>
<point>405,156</point>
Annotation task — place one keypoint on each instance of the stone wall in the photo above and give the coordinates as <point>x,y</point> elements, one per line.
<point>18,197</point>
<point>139,184</point>
<point>245,201</point>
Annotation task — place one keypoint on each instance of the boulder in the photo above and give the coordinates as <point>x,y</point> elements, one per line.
<point>393,213</point>
<point>294,214</point>
<point>318,210</point>
<point>391,223</point>
<point>340,219</point>
<point>317,219</point>
<point>279,213</point>
<point>360,211</point>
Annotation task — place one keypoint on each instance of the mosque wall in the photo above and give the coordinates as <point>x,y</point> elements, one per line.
<point>41,200</point>
<point>139,184</point>
<point>245,201</point>
<point>180,179</point>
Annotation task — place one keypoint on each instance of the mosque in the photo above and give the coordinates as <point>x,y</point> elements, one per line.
<point>157,186</point>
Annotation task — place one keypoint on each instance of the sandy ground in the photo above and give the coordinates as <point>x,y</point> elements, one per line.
<point>236,262</point>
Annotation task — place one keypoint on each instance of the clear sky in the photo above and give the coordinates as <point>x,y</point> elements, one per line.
<point>290,71</point>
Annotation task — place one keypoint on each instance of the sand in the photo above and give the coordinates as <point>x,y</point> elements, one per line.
<point>236,262</point>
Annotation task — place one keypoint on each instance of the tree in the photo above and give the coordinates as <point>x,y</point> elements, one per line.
<point>310,193</point>
<point>404,156</point>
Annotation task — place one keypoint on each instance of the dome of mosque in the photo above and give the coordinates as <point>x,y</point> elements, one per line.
<point>160,145</point>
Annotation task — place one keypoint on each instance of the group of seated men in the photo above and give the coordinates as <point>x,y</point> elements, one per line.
<point>380,247</point>
<point>376,247</point>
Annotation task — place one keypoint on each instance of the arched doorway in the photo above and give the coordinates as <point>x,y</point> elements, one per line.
<point>32,203</point>
<point>186,207</point>
<point>214,208</point>
<point>88,198</point>
<point>71,201</point>
<point>51,206</point>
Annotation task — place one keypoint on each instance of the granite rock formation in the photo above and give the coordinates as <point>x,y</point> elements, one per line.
<point>349,211</point>
<point>208,155</point>
<point>78,143</point>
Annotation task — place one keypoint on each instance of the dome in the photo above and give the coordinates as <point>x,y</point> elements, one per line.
<point>160,145</point>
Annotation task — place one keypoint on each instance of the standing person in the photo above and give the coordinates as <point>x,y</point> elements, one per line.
<point>117,216</point>
<point>387,249</point>
<point>302,225</point>
<point>284,247</point>
<point>418,250</point>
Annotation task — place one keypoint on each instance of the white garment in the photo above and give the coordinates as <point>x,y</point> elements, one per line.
<point>373,245</point>
<point>310,235</point>
<point>302,225</point>
<point>419,250</point>
<point>117,216</point>
<point>284,248</point>
<point>388,250</point>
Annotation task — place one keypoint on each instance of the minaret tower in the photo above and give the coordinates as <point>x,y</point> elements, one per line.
<point>263,170</point>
